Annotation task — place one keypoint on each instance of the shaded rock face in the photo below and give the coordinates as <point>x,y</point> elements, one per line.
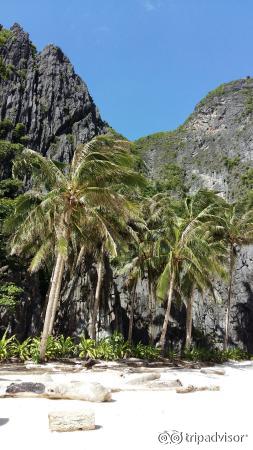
<point>214,147</point>
<point>43,92</point>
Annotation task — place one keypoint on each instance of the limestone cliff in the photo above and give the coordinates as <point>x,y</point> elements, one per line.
<point>42,91</point>
<point>214,149</point>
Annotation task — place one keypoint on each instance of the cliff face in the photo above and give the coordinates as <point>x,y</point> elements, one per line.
<point>42,91</point>
<point>214,149</point>
<point>214,146</point>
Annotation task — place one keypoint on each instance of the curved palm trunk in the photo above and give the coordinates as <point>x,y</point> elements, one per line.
<point>100,272</point>
<point>189,309</point>
<point>228,309</point>
<point>131,318</point>
<point>52,303</point>
<point>167,313</point>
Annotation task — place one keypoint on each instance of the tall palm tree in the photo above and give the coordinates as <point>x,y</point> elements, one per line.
<point>141,264</point>
<point>236,228</point>
<point>70,205</point>
<point>211,255</point>
<point>134,270</point>
<point>182,243</point>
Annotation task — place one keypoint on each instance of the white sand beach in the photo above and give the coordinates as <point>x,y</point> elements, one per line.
<point>137,414</point>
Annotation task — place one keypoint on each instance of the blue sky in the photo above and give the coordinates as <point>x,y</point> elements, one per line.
<point>146,62</point>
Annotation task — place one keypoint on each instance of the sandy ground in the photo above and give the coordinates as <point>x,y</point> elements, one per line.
<point>135,419</point>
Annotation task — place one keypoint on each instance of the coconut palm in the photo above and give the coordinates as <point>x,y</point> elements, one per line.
<point>211,255</point>
<point>70,206</point>
<point>183,244</point>
<point>122,233</point>
<point>135,270</point>
<point>236,228</point>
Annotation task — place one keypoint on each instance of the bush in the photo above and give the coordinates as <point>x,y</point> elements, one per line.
<point>18,133</point>
<point>4,35</point>
<point>146,351</point>
<point>6,126</point>
<point>9,295</point>
<point>109,349</point>
<point>214,355</point>
<point>6,347</point>
<point>9,187</point>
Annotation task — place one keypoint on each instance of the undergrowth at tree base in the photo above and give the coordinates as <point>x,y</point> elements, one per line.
<point>110,349</point>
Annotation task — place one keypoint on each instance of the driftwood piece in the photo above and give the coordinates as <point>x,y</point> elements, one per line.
<point>191,388</point>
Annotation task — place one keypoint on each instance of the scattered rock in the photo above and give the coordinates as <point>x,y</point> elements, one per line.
<point>141,378</point>
<point>76,390</point>
<point>213,371</point>
<point>191,388</point>
<point>17,388</point>
<point>71,420</point>
<point>170,384</point>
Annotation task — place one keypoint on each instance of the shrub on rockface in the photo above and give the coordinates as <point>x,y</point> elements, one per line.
<point>9,295</point>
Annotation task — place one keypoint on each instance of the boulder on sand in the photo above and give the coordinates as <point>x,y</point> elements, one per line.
<point>71,420</point>
<point>141,378</point>
<point>191,388</point>
<point>75,390</point>
<point>213,371</point>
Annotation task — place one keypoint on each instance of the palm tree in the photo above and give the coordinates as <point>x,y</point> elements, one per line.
<point>211,255</point>
<point>133,270</point>
<point>70,206</point>
<point>141,264</point>
<point>236,228</point>
<point>182,243</point>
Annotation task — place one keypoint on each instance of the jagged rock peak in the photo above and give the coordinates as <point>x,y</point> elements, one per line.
<point>42,91</point>
<point>16,28</point>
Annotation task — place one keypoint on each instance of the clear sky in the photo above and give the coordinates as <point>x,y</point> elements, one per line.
<point>146,62</point>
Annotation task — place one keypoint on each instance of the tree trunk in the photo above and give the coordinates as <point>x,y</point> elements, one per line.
<point>189,308</point>
<point>100,273</point>
<point>131,318</point>
<point>52,303</point>
<point>228,309</point>
<point>152,311</point>
<point>167,314</point>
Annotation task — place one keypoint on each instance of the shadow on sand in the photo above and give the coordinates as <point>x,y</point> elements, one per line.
<point>3,421</point>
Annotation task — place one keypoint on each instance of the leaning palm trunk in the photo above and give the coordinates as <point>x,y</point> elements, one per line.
<point>167,313</point>
<point>55,307</point>
<point>228,309</point>
<point>189,309</point>
<point>100,273</point>
<point>131,318</point>
<point>52,303</point>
